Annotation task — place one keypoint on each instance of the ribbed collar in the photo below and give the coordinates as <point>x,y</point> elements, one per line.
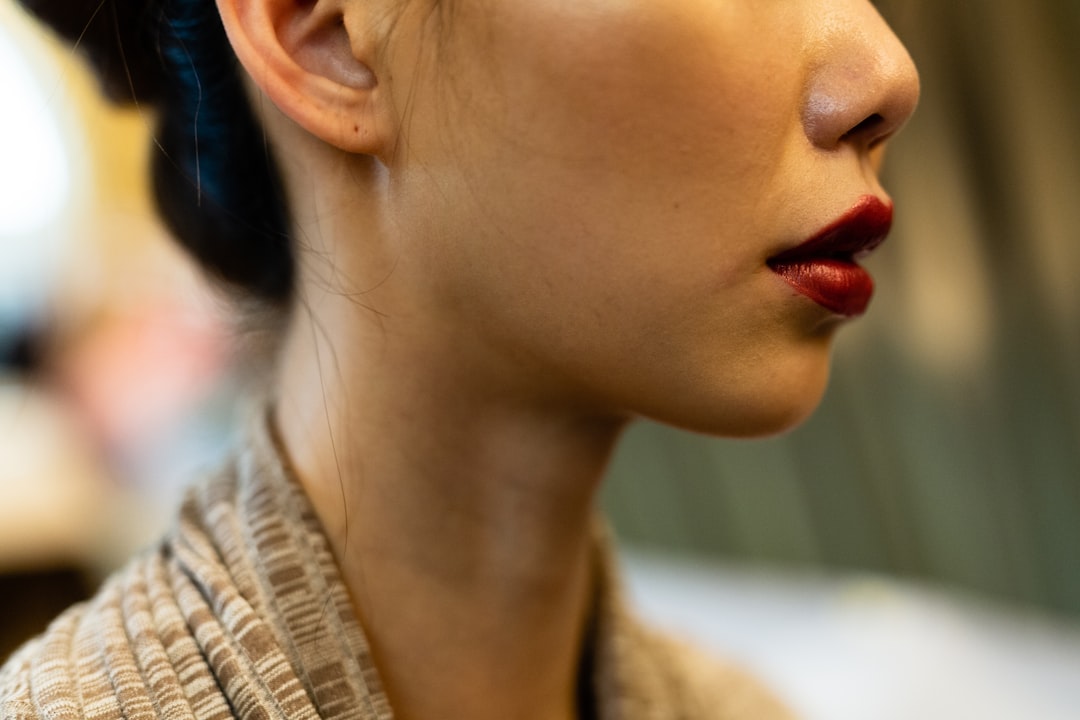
<point>254,529</point>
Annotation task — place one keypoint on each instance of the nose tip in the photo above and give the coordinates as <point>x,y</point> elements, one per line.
<point>862,90</point>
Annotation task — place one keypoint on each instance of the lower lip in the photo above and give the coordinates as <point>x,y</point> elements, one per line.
<point>840,286</point>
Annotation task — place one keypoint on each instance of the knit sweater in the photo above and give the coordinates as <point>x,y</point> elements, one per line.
<point>240,612</point>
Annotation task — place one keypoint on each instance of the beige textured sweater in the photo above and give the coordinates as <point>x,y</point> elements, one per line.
<point>241,613</point>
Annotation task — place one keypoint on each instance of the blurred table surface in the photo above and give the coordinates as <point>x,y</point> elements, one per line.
<point>853,648</point>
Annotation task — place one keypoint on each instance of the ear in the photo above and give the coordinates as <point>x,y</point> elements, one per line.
<point>316,65</point>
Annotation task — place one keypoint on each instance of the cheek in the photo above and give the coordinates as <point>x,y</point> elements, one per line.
<point>635,86</point>
<point>630,135</point>
<point>604,198</point>
<point>628,120</point>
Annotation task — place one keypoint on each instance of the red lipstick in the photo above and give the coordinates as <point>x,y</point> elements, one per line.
<point>824,268</point>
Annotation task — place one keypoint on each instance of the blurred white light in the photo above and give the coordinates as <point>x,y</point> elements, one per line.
<point>34,172</point>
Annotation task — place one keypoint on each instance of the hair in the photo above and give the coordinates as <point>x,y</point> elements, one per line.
<point>215,182</point>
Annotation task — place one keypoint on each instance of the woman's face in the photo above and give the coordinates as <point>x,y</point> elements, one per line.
<point>591,190</point>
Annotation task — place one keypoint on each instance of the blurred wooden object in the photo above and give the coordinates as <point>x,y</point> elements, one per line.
<point>30,600</point>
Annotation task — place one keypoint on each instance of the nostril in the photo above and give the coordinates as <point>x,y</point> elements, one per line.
<point>869,127</point>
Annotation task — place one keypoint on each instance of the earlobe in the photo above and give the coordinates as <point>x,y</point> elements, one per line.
<point>301,55</point>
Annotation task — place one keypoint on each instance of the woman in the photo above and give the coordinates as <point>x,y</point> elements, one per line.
<point>517,225</point>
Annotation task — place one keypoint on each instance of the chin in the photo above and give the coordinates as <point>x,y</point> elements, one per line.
<point>750,423</point>
<point>765,422</point>
<point>758,409</point>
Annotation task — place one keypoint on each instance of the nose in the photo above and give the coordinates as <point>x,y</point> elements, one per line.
<point>863,86</point>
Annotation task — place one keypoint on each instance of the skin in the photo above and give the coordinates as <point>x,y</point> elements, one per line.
<point>525,223</point>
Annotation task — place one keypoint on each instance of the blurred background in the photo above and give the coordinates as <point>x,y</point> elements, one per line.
<point>912,550</point>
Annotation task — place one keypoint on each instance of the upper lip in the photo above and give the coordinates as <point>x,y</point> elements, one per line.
<point>852,236</point>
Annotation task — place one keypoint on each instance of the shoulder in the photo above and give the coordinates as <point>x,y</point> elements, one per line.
<point>15,684</point>
<point>78,667</point>
<point>33,678</point>
<point>711,689</point>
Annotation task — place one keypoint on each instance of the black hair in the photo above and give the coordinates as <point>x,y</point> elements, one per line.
<point>215,182</point>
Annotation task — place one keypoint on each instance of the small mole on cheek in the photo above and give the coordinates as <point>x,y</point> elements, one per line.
<point>676,205</point>
<point>356,128</point>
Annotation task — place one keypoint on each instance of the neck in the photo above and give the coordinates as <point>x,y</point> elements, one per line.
<point>460,516</point>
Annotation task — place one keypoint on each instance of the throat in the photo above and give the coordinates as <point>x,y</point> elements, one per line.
<point>463,526</point>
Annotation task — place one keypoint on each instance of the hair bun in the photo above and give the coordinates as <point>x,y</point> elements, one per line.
<point>115,36</point>
<point>215,183</point>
